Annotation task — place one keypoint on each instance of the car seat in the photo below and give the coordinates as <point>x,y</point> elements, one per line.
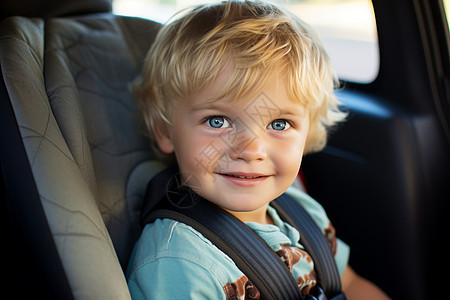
<point>74,162</point>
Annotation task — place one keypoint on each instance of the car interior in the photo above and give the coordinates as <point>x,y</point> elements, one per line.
<point>75,162</point>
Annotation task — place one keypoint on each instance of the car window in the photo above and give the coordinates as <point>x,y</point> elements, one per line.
<point>347,29</point>
<point>447,10</point>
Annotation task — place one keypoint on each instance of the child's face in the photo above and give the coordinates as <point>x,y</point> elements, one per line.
<point>239,155</point>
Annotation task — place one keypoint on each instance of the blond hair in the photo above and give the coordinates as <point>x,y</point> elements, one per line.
<point>258,38</point>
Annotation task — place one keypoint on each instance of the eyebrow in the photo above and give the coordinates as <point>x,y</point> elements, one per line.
<point>213,105</point>
<point>208,105</point>
<point>289,112</point>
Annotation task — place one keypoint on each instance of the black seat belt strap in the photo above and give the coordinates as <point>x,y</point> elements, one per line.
<point>314,242</point>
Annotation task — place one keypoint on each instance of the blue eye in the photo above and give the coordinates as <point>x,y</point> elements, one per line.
<point>218,122</point>
<point>279,125</point>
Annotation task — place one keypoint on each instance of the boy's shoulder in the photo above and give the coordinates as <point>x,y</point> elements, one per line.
<point>178,253</point>
<point>169,236</point>
<point>166,239</point>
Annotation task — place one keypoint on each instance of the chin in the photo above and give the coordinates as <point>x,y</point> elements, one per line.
<point>244,206</point>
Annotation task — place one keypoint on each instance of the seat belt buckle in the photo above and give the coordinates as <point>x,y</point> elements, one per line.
<point>340,296</point>
<point>320,295</point>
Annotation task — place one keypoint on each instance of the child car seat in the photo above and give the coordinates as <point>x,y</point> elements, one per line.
<point>73,155</point>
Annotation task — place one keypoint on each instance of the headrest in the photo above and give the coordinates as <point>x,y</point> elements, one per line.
<point>52,8</point>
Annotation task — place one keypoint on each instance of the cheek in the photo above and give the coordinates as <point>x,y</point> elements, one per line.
<point>195,151</point>
<point>292,158</point>
<point>289,155</point>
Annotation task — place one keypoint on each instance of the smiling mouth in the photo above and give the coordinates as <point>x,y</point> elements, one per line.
<point>244,180</point>
<point>247,177</point>
<point>243,176</point>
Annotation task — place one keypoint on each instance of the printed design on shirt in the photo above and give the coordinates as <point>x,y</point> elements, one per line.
<point>307,282</point>
<point>241,289</point>
<point>292,255</point>
<point>330,235</point>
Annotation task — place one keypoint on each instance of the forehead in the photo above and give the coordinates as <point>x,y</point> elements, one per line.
<point>237,87</point>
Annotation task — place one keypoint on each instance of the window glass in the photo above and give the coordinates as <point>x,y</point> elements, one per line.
<point>447,7</point>
<point>347,29</point>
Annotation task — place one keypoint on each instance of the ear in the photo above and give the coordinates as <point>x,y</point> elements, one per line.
<point>164,139</point>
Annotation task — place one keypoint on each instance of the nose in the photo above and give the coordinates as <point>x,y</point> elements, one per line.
<point>248,146</point>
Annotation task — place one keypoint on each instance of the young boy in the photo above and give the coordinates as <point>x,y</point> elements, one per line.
<point>235,93</point>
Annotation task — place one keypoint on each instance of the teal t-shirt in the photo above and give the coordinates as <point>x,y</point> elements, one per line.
<point>171,260</point>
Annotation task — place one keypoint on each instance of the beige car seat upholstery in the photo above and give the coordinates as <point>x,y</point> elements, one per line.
<point>68,80</point>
